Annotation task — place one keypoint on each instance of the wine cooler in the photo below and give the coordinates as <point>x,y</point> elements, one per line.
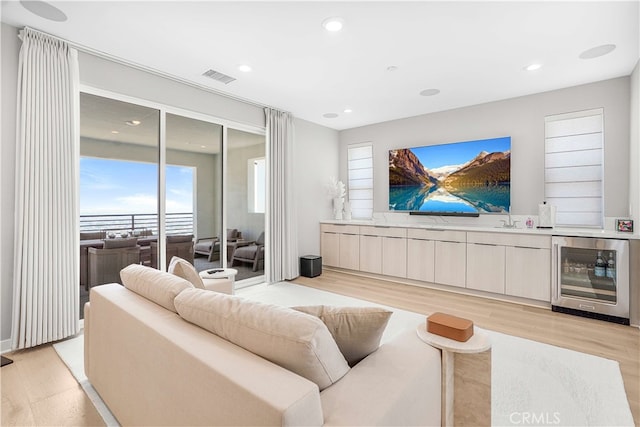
<point>591,278</point>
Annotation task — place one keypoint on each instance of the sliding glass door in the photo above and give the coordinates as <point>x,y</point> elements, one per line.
<point>151,187</point>
<point>118,188</point>
<point>193,176</point>
<point>246,202</point>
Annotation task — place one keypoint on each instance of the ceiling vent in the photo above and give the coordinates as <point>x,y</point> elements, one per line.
<point>218,76</point>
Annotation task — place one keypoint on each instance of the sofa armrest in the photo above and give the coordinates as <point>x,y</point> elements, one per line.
<point>398,384</point>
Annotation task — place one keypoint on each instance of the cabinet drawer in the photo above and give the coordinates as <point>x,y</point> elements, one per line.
<point>340,228</point>
<point>383,231</point>
<point>509,239</point>
<point>437,234</point>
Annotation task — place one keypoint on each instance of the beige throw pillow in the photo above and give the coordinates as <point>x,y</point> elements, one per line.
<point>291,339</point>
<point>357,330</point>
<point>183,268</point>
<point>154,285</point>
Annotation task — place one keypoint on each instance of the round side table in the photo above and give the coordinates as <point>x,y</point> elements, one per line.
<point>220,273</point>
<point>480,342</point>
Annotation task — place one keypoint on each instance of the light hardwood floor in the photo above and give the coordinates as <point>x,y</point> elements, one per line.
<point>37,389</point>
<point>604,339</point>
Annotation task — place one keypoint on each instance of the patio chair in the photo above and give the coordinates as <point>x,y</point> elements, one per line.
<point>210,246</point>
<point>177,245</point>
<point>105,264</point>
<point>252,252</point>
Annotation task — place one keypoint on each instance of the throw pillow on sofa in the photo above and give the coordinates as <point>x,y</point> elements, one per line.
<point>155,285</point>
<point>357,330</point>
<point>296,341</point>
<point>183,268</point>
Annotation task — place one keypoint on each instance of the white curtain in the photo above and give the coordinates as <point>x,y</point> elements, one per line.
<point>46,271</point>
<point>281,242</point>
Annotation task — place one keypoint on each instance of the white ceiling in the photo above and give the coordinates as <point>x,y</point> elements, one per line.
<point>473,52</point>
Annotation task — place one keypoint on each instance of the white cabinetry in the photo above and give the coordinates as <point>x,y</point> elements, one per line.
<point>510,264</point>
<point>383,250</point>
<point>485,263</point>
<point>340,245</point>
<point>450,258</point>
<point>528,273</point>
<point>503,263</point>
<point>394,253</point>
<point>370,253</point>
<point>330,248</point>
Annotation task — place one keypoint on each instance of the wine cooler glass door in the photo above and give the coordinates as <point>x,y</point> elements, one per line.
<point>592,275</point>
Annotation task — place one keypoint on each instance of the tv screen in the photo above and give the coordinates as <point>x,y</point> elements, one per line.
<point>471,177</point>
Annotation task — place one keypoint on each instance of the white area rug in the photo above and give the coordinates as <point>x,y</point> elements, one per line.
<point>71,352</point>
<point>532,383</point>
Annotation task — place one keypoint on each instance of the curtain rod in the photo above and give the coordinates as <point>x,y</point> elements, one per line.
<point>150,70</point>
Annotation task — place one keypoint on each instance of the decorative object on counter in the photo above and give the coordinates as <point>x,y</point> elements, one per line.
<point>546,215</point>
<point>347,210</point>
<point>529,222</point>
<point>624,225</point>
<point>337,191</point>
<point>448,326</point>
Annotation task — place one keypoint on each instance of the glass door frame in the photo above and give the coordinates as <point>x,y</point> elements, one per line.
<point>225,124</point>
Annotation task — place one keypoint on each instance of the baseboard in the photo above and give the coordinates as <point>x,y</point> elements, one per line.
<point>5,345</point>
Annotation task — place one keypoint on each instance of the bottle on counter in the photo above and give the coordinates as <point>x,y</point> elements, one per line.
<point>601,266</point>
<point>611,266</point>
<point>529,222</point>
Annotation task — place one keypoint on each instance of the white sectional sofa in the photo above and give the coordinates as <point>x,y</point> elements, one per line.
<point>153,367</point>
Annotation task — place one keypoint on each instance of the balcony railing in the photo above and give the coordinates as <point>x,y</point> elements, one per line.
<point>142,224</point>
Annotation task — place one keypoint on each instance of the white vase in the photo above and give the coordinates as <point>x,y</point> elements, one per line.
<point>338,205</point>
<point>347,210</point>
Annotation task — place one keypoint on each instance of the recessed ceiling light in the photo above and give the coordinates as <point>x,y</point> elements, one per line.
<point>330,115</point>
<point>115,132</point>
<point>203,146</point>
<point>44,10</point>
<point>133,122</point>
<point>430,92</point>
<point>597,51</point>
<point>333,24</point>
<point>533,67</point>
<point>348,110</point>
<point>244,68</point>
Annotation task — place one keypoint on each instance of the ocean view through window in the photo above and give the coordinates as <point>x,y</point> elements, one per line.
<point>122,195</point>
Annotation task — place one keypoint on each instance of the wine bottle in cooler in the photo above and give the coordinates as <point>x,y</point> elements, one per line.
<point>601,266</point>
<point>611,266</point>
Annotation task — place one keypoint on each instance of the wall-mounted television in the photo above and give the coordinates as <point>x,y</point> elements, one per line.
<point>460,178</point>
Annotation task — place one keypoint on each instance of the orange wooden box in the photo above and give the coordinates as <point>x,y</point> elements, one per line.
<point>449,326</point>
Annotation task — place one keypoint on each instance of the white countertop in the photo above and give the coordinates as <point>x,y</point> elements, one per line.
<point>577,232</point>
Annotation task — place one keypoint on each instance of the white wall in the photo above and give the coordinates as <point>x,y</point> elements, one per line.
<point>103,74</point>
<point>634,151</point>
<point>521,118</point>
<point>9,82</point>
<point>316,160</point>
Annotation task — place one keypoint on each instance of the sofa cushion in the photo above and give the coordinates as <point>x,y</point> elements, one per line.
<point>296,341</point>
<point>92,235</point>
<point>154,285</point>
<point>183,268</point>
<point>357,330</point>
<point>232,233</point>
